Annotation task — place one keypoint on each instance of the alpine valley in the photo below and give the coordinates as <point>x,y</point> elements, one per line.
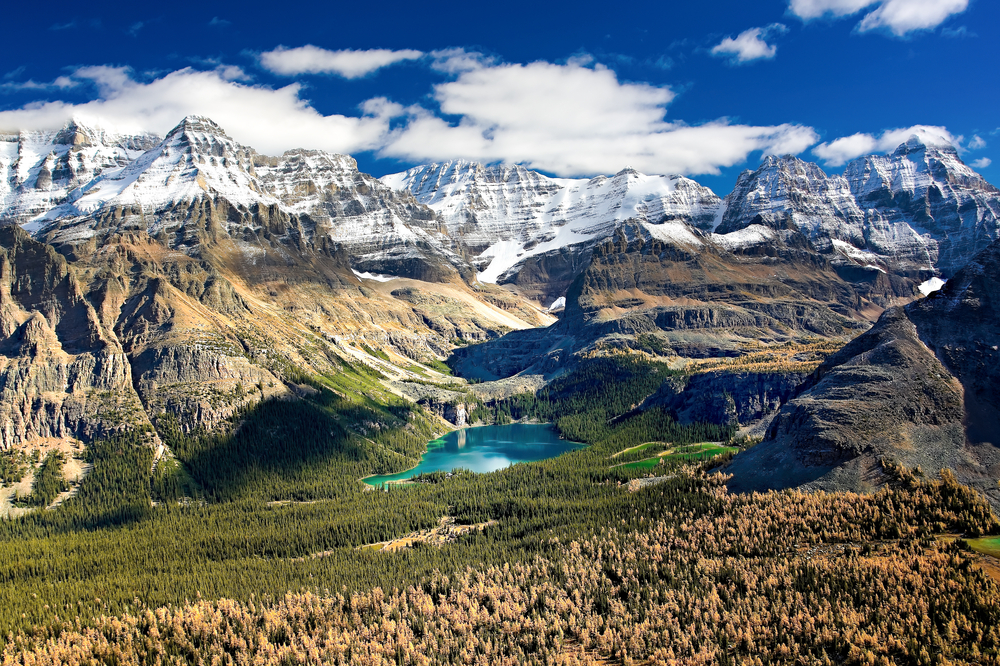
<point>203,349</point>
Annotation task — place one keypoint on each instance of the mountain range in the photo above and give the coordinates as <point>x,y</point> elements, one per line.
<point>191,276</point>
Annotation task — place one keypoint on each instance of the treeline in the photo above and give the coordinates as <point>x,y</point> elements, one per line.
<point>599,402</point>
<point>49,481</point>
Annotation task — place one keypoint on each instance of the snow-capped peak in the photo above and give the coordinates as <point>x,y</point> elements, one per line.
<point>508,213</point>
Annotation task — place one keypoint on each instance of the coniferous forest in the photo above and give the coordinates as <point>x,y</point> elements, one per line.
<point>258,543</point>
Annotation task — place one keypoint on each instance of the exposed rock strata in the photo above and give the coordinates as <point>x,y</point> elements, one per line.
<point>62,373</point>
<point>918,389</point>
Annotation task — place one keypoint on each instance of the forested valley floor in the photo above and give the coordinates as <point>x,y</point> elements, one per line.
<point>207,558</point>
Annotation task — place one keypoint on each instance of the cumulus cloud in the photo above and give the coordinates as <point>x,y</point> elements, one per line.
<point>903,16</point>
<point>566,119</point>
<point>573,120</point>
<point>976,142</point>
<point>271,121</point>
<point>311,59</point>
<point>898,16</point>
<point>810,9</point>
<point>844,149</point>
<point>981,163</point>
<point>749,44</point>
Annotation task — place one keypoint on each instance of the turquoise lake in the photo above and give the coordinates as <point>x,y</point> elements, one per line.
<point>485,449</point>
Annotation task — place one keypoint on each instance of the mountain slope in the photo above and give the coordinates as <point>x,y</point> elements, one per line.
<point>525,228</point>
<point>198,180</point>
<point>919,389</point>
<point>63,373</point>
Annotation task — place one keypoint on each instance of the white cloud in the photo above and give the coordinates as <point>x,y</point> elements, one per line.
<point>59,83</point>
<point>232,73</point>
<point>271,121</point>
<point>844,149</point>
<point>981,163</point>
<point>810,9</point>
<point>458,60</point>
<point>565,119</point>
<point>903,16</point>
<point>311,59</point>
<point>573,120</point>
<point>898,16</point>
<point>749,44</point>
<point>976,142</point>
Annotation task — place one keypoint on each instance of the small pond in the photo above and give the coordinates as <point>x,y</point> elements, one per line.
<point>485,449</point>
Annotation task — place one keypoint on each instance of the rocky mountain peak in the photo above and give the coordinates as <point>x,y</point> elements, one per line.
<point>627,171</point>
<point>916,143</point>
<point>77,134</point>
<point>197,134</point>
<point>197,125</point>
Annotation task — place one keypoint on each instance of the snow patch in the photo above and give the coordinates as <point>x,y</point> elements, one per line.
<point>869,259</point>
<point>755,234</point>
<point>374,276</point>
<point>673,232</point>
<point>930,286</point>
<point>558,303</point>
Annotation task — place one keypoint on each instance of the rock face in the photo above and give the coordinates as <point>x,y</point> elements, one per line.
<point>199,182</point>
<point>914,214</point>
<point>701,295</point>
<point>917,212</point>
<point>62,372</point>
<point>519,226</point>
<point>39,170</point>
<point>919,389</point>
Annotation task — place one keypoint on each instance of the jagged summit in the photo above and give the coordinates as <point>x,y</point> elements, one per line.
<point>918,212</point>
<point>511,217</point>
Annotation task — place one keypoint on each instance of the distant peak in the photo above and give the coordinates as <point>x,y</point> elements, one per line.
<point>197,124</point>
<point>628,171</point>
<point>917,142</point>
<point>75,133</point>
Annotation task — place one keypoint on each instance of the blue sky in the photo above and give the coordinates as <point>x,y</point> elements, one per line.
<point>568,88</point>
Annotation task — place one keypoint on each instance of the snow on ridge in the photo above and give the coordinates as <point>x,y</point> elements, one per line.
<point>673,232</point>
<point>930,286</point>
<point>749,236</point>
<point>517,213</point>
<point>862,257</point>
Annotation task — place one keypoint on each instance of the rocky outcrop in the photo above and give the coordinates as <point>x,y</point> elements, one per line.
<point>521,227</point>
<point>922,200</point>
<point>726,397</point>
<point>704,295</point>
<point>918,389</point>
<point>916,212</point>
<point>62,373</point>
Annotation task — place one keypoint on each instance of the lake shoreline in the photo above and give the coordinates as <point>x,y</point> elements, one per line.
<point>482,448</point>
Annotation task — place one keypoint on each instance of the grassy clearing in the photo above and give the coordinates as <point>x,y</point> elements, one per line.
<point>987,546</point>
<point>689,452</point>
<point>641,447</point>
